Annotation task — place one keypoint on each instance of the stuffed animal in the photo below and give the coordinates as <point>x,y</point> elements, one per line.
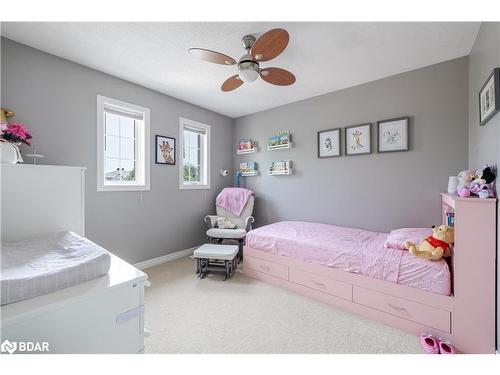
<point>222,223</point>
<point>434,246</point>
<point>482,183</point>
<point>464,179</point>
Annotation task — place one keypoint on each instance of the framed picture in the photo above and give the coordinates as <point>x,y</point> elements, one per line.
<point>392,135</point>
<point>329,143</point>
<point>489,97</point>
<point>165,150</point>
<point>358,139</point>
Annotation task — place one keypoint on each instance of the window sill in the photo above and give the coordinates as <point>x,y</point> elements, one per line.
<point>123,188</point>
<point>194,187</point>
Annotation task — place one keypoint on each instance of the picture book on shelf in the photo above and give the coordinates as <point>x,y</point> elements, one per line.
<point>248,167</point>
<point>280,166</point>
<point>246,144</point>
<point>280,139</point>
<point>450,219</point>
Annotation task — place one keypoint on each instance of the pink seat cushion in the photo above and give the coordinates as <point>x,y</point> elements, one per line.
<point>397,237</point>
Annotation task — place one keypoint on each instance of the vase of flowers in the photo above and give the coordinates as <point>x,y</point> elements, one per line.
<point>12,135</point>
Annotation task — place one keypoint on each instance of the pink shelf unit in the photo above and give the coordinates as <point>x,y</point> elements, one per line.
<point>473,267</point>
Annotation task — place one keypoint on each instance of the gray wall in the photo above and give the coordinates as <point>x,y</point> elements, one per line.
<point>57,100</point>
<point>484,141</point>
<point>377,191</point>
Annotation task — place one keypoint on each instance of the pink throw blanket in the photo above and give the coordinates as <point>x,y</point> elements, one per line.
<point>234,199</point>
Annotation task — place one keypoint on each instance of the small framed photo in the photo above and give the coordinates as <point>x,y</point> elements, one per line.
<point>489,97</point>
<point>165,150</point>
<point>358,139</point>
<point>392,135</point>
<point>329,143</point>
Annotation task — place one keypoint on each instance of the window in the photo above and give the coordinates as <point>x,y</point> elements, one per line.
<point>122,146</point>
<point>195,146</point>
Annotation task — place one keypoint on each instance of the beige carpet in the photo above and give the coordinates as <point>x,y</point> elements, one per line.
<point>243,315</point>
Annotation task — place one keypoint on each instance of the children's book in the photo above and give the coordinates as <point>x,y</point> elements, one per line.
<point>248,167</point>
<point>280,166</point>
<point>245,144</point>
<point>280,139</point>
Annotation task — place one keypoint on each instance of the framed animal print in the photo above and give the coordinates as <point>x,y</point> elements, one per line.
<point>489,97</point>
<point>358,139</point>
<point>165,150</point>
<point>392,135</point>
<point>329,143</point>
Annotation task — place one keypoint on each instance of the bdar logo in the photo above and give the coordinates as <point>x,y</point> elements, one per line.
<point>9,347</point>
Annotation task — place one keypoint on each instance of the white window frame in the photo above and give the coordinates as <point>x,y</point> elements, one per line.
<point>205,162</point>
<point>142,146</point>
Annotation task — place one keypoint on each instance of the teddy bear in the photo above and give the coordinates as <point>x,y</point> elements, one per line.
<point>464,180</point>
<point>222,223</point>
<point>434,246</point>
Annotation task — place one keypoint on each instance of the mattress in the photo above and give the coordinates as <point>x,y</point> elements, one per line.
<point>30,268</point>
<point>352,250</point>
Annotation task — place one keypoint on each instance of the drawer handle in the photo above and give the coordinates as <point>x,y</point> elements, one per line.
<point>264,268</point>
<point>397,308</point>
<point>319,284</point>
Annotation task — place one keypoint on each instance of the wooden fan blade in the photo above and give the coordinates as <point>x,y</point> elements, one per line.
<point>277,76</point>
<point>231,83</point>
<point>270,45</point>
<point>212,56</point>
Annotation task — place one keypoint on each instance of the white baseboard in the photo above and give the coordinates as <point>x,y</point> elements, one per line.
<point>165,258</point>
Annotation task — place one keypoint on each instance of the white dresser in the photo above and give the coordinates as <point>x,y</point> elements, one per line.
<point>104,315</point>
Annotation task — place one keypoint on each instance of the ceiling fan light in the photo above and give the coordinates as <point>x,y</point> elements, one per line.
<point>248,71</point>
<point>248,75</point>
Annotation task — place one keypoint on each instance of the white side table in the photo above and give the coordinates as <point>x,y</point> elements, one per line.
<point>216,258</point>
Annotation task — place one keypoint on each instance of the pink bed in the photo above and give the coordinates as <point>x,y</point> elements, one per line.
<point>352,250</point>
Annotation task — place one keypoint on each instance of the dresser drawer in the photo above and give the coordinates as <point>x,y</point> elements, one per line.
<point>263,266</point>
<point>414,311</point>
<point>323,284</point>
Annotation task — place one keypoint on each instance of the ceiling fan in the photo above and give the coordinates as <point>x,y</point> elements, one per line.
<point>265,48</point>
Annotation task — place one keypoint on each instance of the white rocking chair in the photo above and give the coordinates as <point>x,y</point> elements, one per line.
<point>243,225</point>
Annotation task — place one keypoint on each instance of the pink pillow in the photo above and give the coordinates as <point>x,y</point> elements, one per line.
<point>397,237</point>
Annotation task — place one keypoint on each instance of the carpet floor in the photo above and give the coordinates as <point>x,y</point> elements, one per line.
<point>243,315</point>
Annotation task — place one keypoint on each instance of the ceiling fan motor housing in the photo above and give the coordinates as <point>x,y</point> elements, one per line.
<point>248,69</point>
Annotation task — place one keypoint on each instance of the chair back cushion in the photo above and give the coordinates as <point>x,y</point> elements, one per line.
<point>239,221</point>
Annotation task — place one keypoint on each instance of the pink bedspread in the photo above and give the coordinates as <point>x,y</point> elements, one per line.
<point>352,250</point>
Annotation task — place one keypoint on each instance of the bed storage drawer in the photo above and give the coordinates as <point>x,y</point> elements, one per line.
<point>323,284</point>
<point>263,266</point>
<point>414,311</point>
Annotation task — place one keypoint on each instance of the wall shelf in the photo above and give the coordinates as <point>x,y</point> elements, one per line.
<point>249,151</point>
<point>280,147</point>
<point>249,174</point>
<point>280,173</point>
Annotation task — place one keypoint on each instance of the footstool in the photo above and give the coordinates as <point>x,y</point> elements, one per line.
<point>216,258</point>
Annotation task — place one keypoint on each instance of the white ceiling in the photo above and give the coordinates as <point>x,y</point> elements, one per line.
<point>323,56</point>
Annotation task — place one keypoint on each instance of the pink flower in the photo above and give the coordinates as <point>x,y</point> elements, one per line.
<point>15,132</point>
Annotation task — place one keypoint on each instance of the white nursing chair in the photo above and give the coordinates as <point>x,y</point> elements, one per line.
<point>243,225</point>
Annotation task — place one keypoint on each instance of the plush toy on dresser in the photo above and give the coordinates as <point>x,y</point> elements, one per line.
<point>478,183</point>
<point>434,246</point>
<point>482,184</point>
<point>464,180</point>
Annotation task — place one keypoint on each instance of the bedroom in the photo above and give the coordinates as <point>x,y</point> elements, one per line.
<point>142,148</point>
